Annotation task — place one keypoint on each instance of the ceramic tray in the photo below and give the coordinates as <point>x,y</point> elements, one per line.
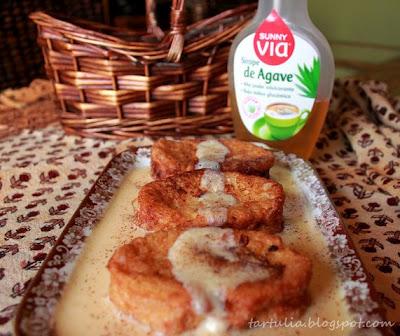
<point>35,314</point>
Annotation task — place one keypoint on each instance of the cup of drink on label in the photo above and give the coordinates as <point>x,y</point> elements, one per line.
<point>282,119</point>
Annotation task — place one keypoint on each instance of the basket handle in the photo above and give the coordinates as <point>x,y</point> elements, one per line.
<point>151,19</point>
<point>176,35</point>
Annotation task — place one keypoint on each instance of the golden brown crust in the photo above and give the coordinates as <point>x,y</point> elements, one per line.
<point>172,202</point>
<point>170,157</point>
<point>287,292</point>
<point>173,157</point>
<point>143,286</point>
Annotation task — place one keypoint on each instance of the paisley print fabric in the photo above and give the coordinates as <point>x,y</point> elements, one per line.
<point>358,159</point>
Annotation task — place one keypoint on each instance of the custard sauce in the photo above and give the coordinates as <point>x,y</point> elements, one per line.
<point>85,309</point>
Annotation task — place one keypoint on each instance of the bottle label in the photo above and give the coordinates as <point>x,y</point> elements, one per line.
<point>276,80</point>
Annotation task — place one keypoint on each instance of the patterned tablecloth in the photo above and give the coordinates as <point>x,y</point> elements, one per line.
<point>45,174</point>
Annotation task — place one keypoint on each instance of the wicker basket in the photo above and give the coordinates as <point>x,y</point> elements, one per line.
<point>117,84</point>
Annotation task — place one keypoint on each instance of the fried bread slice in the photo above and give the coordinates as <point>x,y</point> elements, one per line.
<point>208,197</point>
<point>176,280</point>
<point>171,157</point>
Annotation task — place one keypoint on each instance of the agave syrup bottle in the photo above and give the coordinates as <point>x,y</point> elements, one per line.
<point>281,74</point>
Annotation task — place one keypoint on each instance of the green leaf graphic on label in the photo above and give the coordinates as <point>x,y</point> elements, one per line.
<point>309,78</point>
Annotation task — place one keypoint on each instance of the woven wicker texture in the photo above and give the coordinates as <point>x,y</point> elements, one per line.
<point>21,59</point>
<point>113,83</point>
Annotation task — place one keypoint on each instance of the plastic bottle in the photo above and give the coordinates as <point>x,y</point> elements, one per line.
<point>281,73</point>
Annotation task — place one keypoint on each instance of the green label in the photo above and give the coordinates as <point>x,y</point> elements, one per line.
<point>275,95</point>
